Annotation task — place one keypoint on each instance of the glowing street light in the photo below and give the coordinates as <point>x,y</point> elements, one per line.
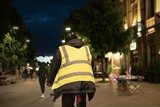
<point>15,27</point>
<point>63,41</point>
<point>27,40</point>
<point>68,29</point>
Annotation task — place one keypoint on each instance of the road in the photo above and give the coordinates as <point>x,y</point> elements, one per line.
<point>26,93</point>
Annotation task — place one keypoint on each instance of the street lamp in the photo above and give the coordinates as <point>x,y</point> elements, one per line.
<point>63,41</point>
<point>68,29</point>
<point>15,27</point>
<point>27,40</point>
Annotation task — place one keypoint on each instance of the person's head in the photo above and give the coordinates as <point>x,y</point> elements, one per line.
<point>69,36</point>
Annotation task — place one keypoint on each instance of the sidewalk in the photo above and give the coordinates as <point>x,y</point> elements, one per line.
<point>106,96</point>
<point>26,93</point>
<point>7,79</point>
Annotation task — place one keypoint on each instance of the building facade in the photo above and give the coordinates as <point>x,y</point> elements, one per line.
<point>144,17</point>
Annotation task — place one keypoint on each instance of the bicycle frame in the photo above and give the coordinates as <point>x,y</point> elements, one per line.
<point>81,100</point>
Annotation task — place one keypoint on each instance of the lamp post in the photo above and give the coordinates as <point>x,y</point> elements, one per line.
<point>15,27</point>
<point>68,29</point>
<point>63,41</point>
<point>27,40</point>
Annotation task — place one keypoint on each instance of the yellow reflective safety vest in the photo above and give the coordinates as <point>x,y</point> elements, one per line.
<point>75,66</point>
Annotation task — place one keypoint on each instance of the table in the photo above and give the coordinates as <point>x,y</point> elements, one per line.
<point>130,83</point>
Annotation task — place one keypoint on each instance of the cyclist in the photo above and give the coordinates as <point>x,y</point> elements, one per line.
<point>71,72</point>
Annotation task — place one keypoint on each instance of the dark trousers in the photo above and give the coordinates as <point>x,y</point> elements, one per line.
<point>68,100</point>
<point>31,75</point>
<point>42,84</point>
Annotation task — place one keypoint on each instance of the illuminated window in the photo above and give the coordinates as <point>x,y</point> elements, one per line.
<point>134,13</point>
<point>157,5</point>
<point>133,46</point>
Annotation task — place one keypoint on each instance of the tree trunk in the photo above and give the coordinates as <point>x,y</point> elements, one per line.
<point>103,70</point>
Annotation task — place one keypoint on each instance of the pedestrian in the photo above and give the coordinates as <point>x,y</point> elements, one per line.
<point>52,93</point>
<point>42,74</point>
<point>109,72</point>
<point>31,73</point>
<point>71,72</point>
<point>25,73</point>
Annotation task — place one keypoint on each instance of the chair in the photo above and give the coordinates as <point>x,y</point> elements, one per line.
<point>134,86</point>
<point>122,84</point>
<point>129,84</point>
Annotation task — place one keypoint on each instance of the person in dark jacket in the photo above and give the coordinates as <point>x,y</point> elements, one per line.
<point>42,74</point>
<point>71,72</point>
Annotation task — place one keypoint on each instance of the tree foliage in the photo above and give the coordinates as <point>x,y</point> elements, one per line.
<point>10,18</point>
<point>101,22</point>
<point>12,51</point>
<point>13,46</point>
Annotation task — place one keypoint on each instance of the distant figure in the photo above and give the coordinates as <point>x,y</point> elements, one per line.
<point>49,68</point>
<point>25,73</point>
<point>42,74</point>
<point>31,73</point>
<point>109,70</point>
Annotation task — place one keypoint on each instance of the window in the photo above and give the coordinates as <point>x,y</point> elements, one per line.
<point>150,8</point>
<point>134,13</point>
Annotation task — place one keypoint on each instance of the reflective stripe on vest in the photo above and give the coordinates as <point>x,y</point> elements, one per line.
<point>88,61</point>
<point>75,66</point>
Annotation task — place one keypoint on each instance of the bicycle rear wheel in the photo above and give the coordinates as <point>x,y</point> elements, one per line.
<point>81,100</point>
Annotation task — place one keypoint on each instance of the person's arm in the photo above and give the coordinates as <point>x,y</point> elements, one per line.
<point>55,65</point>
<point>37,72</point>
<point>92,63</point>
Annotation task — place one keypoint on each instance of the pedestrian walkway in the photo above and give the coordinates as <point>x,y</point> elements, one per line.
<point>107,96</point>
<point>26,93</point>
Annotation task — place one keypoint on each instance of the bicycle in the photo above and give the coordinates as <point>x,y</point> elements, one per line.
<point>81,100</point>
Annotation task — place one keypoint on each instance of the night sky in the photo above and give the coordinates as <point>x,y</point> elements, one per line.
<point>44,18</point>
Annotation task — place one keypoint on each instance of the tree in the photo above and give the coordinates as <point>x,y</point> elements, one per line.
<point>101,22</point>
<point>10,18</point>
<point>13,52</point>
<point>4,19</point>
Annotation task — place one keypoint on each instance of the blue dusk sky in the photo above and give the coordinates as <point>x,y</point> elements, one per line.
<point>44,18</point>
